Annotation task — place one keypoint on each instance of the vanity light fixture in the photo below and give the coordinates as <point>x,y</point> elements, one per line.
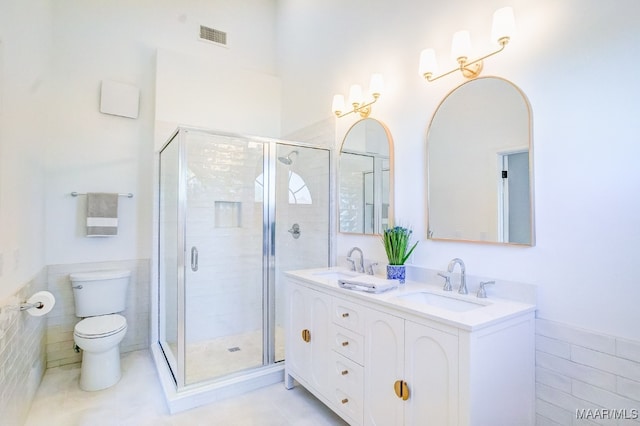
<point>357,100</point>
<point>501,32</point>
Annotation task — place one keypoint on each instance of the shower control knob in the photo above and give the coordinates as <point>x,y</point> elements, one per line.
<point>295,231</point>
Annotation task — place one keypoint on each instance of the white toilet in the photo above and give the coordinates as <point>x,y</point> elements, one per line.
<point>98,296</point>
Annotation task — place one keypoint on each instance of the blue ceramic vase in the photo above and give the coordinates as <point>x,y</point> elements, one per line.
<point>396,272</point>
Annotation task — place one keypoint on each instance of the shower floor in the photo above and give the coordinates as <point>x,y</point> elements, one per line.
<point>224,355</point>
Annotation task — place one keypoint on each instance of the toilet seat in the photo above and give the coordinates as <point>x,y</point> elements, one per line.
<point>100,326</point>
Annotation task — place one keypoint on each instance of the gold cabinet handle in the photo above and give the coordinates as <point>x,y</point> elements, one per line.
<point>345,343</point>
<point>344,401</point>
<point>401,389</point>
<point>397,387</point>
<point>345,315</point>
<point>345,372</point>
<point>306,335</point>
<point>405,391</point>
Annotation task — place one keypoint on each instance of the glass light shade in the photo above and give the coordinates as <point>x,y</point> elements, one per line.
<point>355,94</point>
<point>338,103</point>
<point>504,24</point>
<point>376,86</point>
<point>428,63</point>
<point>461,45</point>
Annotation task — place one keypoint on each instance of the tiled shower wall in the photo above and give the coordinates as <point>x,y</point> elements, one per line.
<point>62,319</point>
<point>584,374</point>
<point>22,354</point>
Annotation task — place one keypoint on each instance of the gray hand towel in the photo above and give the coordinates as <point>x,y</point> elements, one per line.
<point>102,214</point>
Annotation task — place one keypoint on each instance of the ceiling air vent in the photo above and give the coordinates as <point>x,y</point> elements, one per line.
<point>213,35</point>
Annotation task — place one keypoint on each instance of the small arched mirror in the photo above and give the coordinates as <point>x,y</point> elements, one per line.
<point>480,174</point>
<point>365,179</point>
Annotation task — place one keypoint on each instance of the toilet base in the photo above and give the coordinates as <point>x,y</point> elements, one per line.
<point>100,370</point>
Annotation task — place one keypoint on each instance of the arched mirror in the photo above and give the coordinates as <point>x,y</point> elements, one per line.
<point>480,169</point>
<point>365,178</point>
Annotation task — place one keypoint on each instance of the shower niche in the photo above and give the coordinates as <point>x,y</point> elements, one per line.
<point>226,205</point>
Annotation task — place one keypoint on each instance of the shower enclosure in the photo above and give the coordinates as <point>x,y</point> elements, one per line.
<point>234,212</point>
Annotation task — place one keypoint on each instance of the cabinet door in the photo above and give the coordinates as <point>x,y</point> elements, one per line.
<point>320,311</point>
<point>383,366</point>
<point>309,312</point>
<point>298,319</point>
<point>431,371</point>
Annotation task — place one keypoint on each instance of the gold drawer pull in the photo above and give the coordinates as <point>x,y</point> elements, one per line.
<point>306,335</point>
<point>344,401</point>
<point>345,315</point>
<point>402,389</point>
<point>345,372</point>
<point>345,343</point>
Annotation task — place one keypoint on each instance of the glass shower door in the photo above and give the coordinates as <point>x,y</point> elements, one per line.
<point>302,214</point>
<point>169,251</point>
<point>224,249</point>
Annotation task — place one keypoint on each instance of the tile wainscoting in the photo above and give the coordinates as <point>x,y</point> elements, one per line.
<point>585,378</point>
<point>22,353</point>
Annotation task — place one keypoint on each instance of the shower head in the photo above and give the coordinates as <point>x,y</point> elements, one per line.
<point>287,160</point>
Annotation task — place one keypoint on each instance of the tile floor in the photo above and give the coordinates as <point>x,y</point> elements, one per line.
<point>247,355</point>
<point>137,400</point>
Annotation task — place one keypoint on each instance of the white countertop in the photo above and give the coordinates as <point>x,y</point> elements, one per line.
<point>491,311</point>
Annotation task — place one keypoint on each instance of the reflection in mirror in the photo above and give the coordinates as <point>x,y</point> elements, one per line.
<point>480,174</point>
<point>365,175</point>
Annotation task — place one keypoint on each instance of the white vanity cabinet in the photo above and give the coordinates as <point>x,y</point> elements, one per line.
<point>386,364</point>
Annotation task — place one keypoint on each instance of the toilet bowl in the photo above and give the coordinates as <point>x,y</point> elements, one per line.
<point>98,296</point>
<point>99,338</point>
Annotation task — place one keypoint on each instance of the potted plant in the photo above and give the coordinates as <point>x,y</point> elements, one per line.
<point>396,242</point>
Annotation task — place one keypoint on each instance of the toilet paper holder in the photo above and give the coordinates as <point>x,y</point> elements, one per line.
<point>23,306</point>
<point>34,307</point>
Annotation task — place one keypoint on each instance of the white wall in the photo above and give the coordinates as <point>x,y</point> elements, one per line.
<point>572,59</point>
<point>90,151</point>
<point>25,49</point>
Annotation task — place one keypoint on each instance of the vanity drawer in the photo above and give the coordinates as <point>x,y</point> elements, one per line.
<point>347,386</point>
<point>349,406</point>
<point>347,376</point>
<point>347,343</point>
<point>348,315</point>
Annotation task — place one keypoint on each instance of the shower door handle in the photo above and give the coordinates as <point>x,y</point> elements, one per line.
<point>194,259</point>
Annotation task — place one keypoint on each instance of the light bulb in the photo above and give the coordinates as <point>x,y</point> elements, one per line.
<point>337,106</point>
<point>355,94</point>
<point>376,86</point>
<point>504,25</point>
<point>428,63</point>
<point>461,45</point>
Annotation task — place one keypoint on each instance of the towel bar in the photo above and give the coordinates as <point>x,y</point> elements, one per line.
<point>75,194</point>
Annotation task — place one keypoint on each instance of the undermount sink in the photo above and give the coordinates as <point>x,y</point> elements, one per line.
<point>338,275</point>
<point>444,302</point>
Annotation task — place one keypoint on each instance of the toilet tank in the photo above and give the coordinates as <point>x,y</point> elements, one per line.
<point>100,292</point>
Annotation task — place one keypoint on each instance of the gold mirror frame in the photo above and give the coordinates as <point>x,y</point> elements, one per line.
<point>379,223</point>
<point>463,129</point>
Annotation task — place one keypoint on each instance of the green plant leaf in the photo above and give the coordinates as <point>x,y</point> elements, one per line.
<point>396,244</point>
